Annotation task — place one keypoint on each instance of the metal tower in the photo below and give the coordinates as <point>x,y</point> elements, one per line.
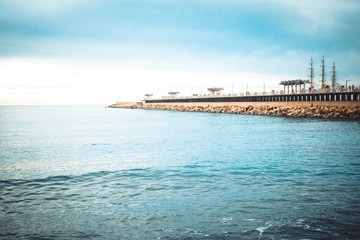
<point>311,75</point>
<point>333,77</point>
<point>323,74</point>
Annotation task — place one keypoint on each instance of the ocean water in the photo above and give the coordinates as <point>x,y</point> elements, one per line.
<point>89,172</point>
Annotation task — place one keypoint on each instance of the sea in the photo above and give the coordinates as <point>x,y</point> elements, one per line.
<point>91,172</point>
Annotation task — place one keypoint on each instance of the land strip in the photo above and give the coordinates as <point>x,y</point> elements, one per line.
<point>327,110</point>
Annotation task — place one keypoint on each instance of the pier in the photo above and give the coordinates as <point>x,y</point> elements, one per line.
<point>295,97</point>
<point>333,101</point>
<point>298,92</point>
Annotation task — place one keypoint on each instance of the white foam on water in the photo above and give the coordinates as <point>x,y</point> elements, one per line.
<point>262,229</point>
<point>226,220</point>
<point>249,219</point>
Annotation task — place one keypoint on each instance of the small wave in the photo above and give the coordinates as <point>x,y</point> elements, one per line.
<point>226,221</point>
<point>249,219</point>
<point>262,229</point>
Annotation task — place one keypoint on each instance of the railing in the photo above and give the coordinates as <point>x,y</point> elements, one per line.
<point>262,94</point>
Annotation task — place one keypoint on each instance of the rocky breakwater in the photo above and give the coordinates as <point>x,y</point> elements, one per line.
<point>311,111</point>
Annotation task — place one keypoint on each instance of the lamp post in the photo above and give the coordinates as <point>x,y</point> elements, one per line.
<point>346,81</point>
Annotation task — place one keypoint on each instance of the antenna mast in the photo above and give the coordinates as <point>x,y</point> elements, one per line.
<point>311,75</point>
<point>323,74</point>
<point>333,79</point>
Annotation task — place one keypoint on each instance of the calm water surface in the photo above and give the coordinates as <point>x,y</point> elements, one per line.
<point>90,172</point>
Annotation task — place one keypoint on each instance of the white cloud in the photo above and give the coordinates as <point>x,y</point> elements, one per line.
<point>44,7</point>
<point>315,17</point>
<point>96,71</point>
<point>40,81</point>
<point>101,80</point>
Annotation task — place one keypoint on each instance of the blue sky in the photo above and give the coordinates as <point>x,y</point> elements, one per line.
<point>91,51</point>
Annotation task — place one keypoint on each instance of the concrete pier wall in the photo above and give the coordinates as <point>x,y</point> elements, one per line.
<point>310,97</point>
<point>259,104</point>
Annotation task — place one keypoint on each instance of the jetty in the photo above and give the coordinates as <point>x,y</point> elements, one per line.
<point>332,101</point>
<point>269,97</point>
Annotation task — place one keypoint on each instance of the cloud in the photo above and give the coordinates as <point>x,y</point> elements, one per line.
<point>42,7</point>
<point>320,14</point>
<point>330,25</point>
<point>98,47</point>
<point>79,82</point>
<point>226,26</point>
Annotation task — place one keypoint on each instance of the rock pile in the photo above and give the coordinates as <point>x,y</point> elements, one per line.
<point>312,111</point>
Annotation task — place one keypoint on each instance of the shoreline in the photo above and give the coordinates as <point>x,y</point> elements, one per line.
<point>348,110</point>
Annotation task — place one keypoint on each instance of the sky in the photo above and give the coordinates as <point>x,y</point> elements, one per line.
<point>62,52</point>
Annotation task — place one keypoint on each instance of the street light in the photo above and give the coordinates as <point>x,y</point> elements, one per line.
<point>346,81</point>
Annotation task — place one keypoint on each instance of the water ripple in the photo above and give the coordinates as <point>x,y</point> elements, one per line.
<point>133,175</point>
